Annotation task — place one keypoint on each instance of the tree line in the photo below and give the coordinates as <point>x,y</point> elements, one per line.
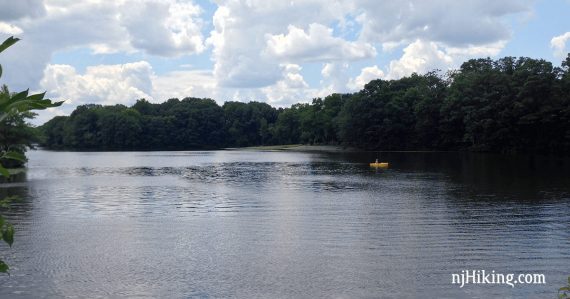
<point>509,105</point>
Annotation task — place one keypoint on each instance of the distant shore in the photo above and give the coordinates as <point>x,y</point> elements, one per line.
<point>299,148</point>
<point>325,148</point>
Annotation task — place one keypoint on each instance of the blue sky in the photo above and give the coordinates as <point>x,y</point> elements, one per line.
<point>280,52</point>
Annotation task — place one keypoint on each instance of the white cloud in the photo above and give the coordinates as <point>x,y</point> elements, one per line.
<point>335,77</point>
<point>292,76</point>
<point>125,83</point>
<point>318,44</point>
<point>558,44</point>
<point>419,57</point>
<point>102,84</point>
<point>289,90</point>
<point>327,70</point>
<point>187,83</point>
<point>163,28</point>
<point>249,35</point>
<point>237,53</point>
<point>390,46</point>
<point>13,10</point>
<point>456,23</point>
<point>469,51</point>
<point>366,75</point>
<point>240,31</point>
<point>9,29</point>
<point>258,46</point>
<point>423,56</point>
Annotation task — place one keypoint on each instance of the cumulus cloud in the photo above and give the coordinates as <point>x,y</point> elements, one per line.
<point>558,44</point>
<point>187,83</point>
<point>258,46</point>
<point>317,44</point>
<point>245,48</point>
<point>456,23</point>
<point>163,28</point>
<point>56,31</point>
<point>240,31</point>
<point>292,76</point>
<point>102,84</point>
<point>423,56</point>
<point>289,90</point>
<point>419,57</point>
<point>13,10</point>
<point>335,77</point>
<point>491,49</point>
<point>237,53</point>
<point>9,29</point>
<point>366,75</point>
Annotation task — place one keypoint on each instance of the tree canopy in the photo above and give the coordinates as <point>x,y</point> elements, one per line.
<point>506,105</point>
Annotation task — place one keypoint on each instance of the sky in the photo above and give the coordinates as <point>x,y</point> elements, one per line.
<point>275,51</point>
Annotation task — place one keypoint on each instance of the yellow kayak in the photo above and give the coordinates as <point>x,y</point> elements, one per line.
<point>379,164</point>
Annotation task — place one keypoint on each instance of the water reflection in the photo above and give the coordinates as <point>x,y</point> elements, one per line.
<point>283,224</point>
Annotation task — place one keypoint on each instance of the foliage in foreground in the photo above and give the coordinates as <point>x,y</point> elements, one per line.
<point>14,136</point>
<point>506,105</point>
<point>564,292</point>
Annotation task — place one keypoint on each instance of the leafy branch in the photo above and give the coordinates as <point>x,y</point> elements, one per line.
<point>564,292</point>
<point>7,229</point>
<point>11,104</point>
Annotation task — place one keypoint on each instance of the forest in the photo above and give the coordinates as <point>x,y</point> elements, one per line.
<point>508,105</point>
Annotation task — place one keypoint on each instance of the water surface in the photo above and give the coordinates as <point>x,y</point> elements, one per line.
<point>255,224</point>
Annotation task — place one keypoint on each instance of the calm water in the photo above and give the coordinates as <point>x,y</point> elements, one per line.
<point>284,224</point>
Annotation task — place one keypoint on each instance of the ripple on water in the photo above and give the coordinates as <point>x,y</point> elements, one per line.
<point>215,224</point>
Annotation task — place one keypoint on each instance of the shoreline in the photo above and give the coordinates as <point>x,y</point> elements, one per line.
<point>298,148</point>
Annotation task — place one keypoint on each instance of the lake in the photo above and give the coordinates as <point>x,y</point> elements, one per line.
<point>262,224</point>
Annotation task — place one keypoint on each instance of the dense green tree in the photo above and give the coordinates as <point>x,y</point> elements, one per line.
<point>318,121</point>
<point>53,132</point>
<point>144,107</point>
<point>119,129</point>
<point>82,128</point>
<point>505,105</point>
<point>396,114</point>
<point>287,129</point>
<point>247,124</point>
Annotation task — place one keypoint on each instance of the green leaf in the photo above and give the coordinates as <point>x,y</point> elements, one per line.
<point>0,70</point>
<point>20,95</point>
<point>4,171</point>
<point>8,42</point>
<point>8,234</point>
<point>4,267</point>
<point>26,104</point>
<point>564,289</point>
<point>37,97</point>
<point>2,222</point>
<point>15,156</point>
